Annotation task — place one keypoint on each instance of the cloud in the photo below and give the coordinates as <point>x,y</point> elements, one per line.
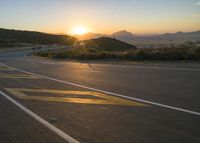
<point>198,3</point>
<point>196,15</point>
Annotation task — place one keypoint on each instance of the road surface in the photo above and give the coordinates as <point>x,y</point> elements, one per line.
<point>44,100</point>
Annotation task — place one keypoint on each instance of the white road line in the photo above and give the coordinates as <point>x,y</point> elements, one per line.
<point>110,93</point>
<point>41,120</point>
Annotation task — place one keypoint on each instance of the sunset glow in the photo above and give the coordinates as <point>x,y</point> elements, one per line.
<point>106,16</point>
<point>79,30</point>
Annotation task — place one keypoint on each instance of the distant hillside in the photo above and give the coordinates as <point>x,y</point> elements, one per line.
<point>96,50</point>
<point>198,42</point>
<point>35,37</point>
<point>100,48</point>
<point>123,35</point>
<point>179,36</point>
<point>170,37</point>
<point>141,41</point>
<point>108,44</point>
<point>90,35</point>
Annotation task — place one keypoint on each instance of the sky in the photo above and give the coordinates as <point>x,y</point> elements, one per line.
<point>101,16</point>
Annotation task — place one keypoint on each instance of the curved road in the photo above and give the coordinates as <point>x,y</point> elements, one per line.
<point>43,100</point>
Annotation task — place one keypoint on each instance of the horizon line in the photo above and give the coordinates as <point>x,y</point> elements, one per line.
<point>65,33</point>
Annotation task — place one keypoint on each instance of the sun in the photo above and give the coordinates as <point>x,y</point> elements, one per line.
<point>80,30</point>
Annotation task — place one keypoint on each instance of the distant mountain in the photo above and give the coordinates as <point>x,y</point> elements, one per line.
<point>35,37</point>
<point>198,42</point>
<point>179,36</point>
<point>123,35</point>
<point>175,37</point>
<point>108,44</point>
<point>90,35</point>
<point>150,39</point>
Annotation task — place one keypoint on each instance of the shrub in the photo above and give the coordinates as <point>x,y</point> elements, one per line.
<point>186,51</point>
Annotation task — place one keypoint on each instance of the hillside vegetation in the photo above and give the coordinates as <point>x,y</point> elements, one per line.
<point>7,43</point>
<point>108,44</point>
<point>186,51</point>
<point>100,48</point>
<point>35,37</point>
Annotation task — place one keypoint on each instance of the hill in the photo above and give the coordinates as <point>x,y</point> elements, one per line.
<point>187,51</point>
<point>100,48</point>
<point>35,37</point>
<point>177,37</point>
<point>4,43</point>
<point>160,40</point>
<point>90,35</point>
<point>198,42</point>
<point>108,44</point>
<point>123,35</point>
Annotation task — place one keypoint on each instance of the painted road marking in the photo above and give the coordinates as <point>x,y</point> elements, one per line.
<point>88,98</point>
<point>19,76</point>
<point>41,120</point>
<point>3,68</point>
<point>110,93</point>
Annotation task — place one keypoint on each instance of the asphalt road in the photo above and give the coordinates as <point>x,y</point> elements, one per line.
<point>58,101</point>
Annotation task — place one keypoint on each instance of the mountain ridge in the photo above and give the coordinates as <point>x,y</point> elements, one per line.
<point>129,37</point>
<point>24,36</point>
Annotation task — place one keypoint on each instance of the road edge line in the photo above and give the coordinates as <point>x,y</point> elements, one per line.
<point>59,132</point>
